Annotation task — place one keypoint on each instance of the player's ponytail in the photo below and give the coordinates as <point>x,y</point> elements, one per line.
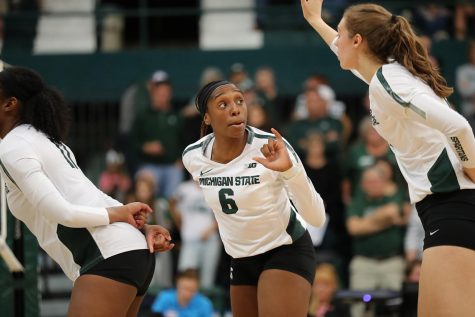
<point>391,37</point>
<point>41,106</point>
<point>47,112</point>
<point>409,52</point>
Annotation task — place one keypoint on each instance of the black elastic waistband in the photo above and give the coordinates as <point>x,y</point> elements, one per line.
<point>438,198</point>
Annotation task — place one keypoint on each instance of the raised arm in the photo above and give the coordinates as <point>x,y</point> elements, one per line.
<point>312,12</point>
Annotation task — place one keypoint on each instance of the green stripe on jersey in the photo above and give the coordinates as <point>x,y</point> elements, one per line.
<point>397,98</point>
<point>67,156</point>
<point>192,147</point>
<point>442,175</point>
<point>84,249</point>
<point>289,147</point>
<point>294,228</point>
<point>250,135</point>
<point>8,174</point>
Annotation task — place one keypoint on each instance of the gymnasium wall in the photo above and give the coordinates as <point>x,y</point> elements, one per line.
<point>103,77</point>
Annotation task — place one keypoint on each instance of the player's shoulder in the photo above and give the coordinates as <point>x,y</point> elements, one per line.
<point>193,156</point>
<point>256,136</point>
<point>197,147</point>
<point>395,80</point>
<point>394,74</point>
<point>20,137</point>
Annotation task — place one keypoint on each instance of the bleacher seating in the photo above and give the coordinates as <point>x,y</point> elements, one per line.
<point>66,33</point>
<point>229,30</point>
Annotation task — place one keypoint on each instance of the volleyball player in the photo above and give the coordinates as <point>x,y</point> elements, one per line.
<point>93,238</point>
<point>249,178</point>
<point>433,144</point>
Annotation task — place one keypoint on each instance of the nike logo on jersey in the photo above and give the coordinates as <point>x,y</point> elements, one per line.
<point>205,172</point>
<point>433,232</point>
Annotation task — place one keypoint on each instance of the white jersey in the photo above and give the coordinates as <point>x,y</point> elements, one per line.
<point>49,193</point>
<point>432,142</point>
<point>252,204</point>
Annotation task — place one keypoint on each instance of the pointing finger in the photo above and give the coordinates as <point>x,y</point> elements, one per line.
<point>277,134</point>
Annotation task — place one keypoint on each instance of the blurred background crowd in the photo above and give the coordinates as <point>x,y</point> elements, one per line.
<point>129,133</point>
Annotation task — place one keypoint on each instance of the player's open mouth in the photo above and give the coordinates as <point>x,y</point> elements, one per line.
<point>236,124</point>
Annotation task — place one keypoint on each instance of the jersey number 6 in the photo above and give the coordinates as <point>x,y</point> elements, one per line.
<point>228,205</point>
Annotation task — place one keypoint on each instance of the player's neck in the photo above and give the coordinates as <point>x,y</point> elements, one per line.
<point>7,127</point>
<point>367,67</point>
<point>226,149</point>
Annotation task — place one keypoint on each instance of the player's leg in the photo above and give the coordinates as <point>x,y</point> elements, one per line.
<point>244,301</point>
<point>135,307</point>
<point>148,267</point>
<point>283,293</point>
<point>113,286</point>
<point>95,295</point>
<point>447,282</point>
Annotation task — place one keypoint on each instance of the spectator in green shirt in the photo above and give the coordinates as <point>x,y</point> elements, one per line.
<point>158,136</point>
<point>376,221</point>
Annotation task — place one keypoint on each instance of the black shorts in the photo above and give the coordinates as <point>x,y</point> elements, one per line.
<point>448,219</point>
<point>133,267</point>
<point>298,257</point>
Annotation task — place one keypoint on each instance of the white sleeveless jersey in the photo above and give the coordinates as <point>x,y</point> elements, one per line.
<point>432,142</point>
<point>49,193</point>
<point>252,204</point>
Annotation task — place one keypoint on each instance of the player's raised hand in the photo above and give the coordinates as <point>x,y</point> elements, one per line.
<point>276,157</point>
<point>312,9</point>
<point>134,213</point>
<point>158,238</point>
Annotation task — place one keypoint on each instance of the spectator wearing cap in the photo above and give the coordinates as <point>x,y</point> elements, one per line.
<point>336,108</point>
<point>134,101</point>
<point>157,136</point>
<point>114,180</point>
<point>318,121</point>
<point>238,75</point>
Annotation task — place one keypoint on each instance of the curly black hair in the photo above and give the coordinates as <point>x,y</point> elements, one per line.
<point>41,106</point>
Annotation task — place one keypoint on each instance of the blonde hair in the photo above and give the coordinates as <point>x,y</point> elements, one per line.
<point>327,272</point>
<point>391,36</point>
